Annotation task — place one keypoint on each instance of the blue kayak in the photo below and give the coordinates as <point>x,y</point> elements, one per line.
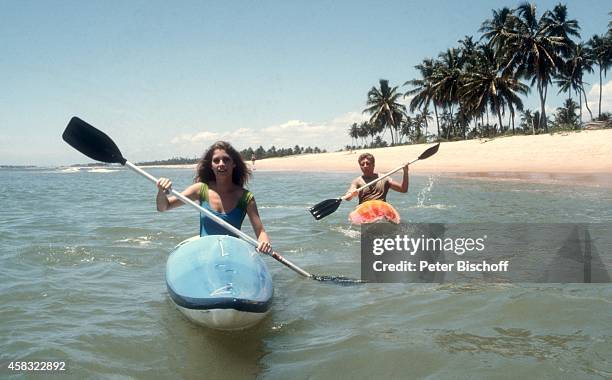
<point>220,282</point>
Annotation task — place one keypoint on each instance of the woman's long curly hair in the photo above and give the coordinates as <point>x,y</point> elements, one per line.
<point>204,172</point>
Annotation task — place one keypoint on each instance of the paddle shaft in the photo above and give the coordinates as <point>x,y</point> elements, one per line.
<point>381,178</point>
<point>220,221</point>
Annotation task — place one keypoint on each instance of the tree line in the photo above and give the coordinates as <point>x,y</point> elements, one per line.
<point>260,152</point>
<point>476,88</point>
<point>246,154</point>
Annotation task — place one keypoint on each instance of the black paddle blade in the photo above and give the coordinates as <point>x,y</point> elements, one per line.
<point>340,280</point>
<point>429,152</point>
<point>92,142</point>
<point>322,209</point>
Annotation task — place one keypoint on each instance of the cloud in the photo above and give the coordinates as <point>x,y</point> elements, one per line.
<point>331,135</point>
<point>550,110</point>
<point>405,100</point>
<point>350,118</point>
<point>606,98</point>
<point>195,138</point>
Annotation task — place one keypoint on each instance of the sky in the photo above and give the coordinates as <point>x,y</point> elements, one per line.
<point>167,79</point>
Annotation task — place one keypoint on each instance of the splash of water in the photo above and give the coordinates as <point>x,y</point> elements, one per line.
<point>424,195</point>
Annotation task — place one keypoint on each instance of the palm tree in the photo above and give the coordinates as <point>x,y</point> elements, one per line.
<point>570,77</point>
<point>558,24</point>
<point>531,120</point>
<point>601,48</point>
<point>354,132</point>
<point>373,129</point>
<point>424,116</point>
<point>422,91</point>
<point>384,108</point>
<point>566,115</point>
<point>497,30</point>
<point>485,85</point>
<point>528,121</point>
<point>363,131</point>
<point>398,116</point>
<point>535,51</point>
<point>447,82</point>
<point>407,125</point>
<point>467,50</point>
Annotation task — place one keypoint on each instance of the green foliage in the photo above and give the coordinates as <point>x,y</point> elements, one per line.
<point>171,161</point>
<point>566,117</point>
<point>261,153</point>
<point>384,108</point>
<point>605,116</point>
<point>475,89</point>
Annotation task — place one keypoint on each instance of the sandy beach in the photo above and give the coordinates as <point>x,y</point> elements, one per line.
<point>573,157</point>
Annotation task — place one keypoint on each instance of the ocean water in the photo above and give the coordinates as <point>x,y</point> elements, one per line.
<point>82,262</point>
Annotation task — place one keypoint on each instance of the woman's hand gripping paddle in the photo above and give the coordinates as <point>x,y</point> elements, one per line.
<point>328,206</point>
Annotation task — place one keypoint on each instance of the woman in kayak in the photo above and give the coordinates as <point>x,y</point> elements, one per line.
<point>219,187</point>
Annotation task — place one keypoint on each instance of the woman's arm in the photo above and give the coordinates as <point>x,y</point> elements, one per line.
<point>165,203</point>
<point>258,228</point>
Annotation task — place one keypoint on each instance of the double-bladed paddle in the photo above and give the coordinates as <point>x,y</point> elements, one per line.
<point>328,206</point>
<point>97,145</point>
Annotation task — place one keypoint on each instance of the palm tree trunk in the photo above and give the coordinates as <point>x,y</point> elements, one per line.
<point>425,117</point>
<point>586,102</point>
<point>437,120</point>
<point>541,91</point>
<point>580,99</point>
<point>397,134</point>
<point>451,119</point>
<point>599,112</point>
<point>499,118</point>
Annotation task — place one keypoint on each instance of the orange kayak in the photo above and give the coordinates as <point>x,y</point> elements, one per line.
<point>373,211</point>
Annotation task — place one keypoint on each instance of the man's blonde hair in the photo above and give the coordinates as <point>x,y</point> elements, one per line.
<point>365,155</point>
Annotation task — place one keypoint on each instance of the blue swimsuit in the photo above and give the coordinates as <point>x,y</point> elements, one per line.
<point>234,217</point>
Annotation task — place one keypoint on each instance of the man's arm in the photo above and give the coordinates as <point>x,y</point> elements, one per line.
<point>351,193</point>
<point>404,185</point>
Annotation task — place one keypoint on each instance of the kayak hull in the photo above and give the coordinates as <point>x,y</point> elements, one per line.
<point>223,319</point>
<point>374,211</point>
<point>220,282</point>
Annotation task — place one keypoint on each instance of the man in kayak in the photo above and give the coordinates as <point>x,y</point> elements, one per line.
<point>218,186</point>
<point>378,190</point>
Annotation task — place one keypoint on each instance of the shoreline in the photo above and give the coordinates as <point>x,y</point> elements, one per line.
<point>597,180</point>
<point>569,158</point>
